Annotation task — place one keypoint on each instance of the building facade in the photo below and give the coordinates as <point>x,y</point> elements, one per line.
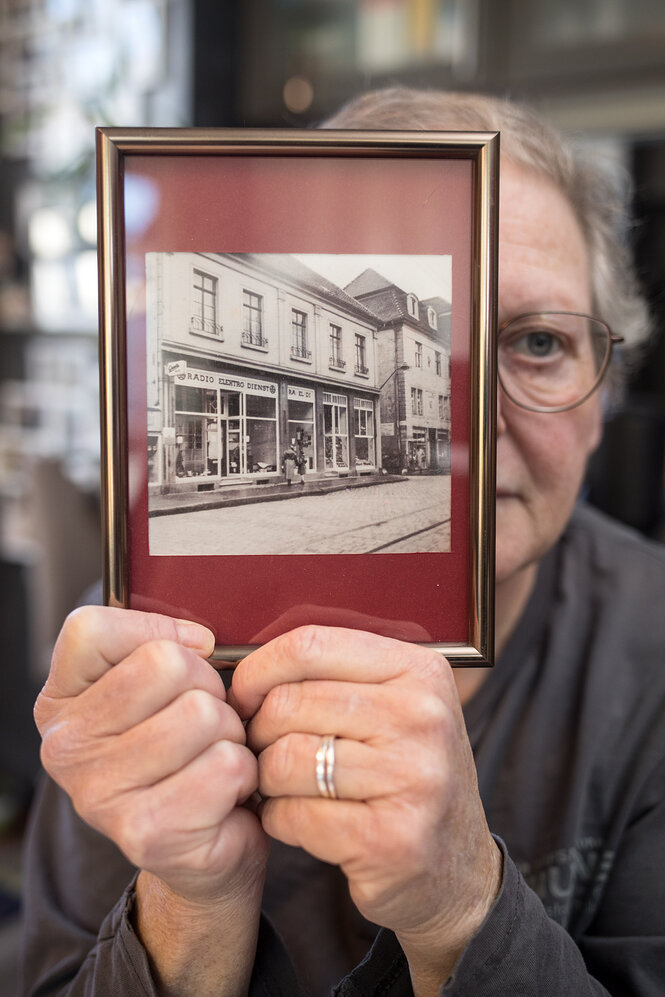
<point>414,374</point>
<point>256,365</point>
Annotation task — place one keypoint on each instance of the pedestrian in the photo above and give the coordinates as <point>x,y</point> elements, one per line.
<point>290,462</point>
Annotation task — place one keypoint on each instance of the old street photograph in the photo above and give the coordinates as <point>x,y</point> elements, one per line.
<point>298,404</point>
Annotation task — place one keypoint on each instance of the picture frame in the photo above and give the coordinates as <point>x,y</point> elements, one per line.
<point>283,443</point>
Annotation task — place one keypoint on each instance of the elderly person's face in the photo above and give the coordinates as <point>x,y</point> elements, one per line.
<point>543,265</point>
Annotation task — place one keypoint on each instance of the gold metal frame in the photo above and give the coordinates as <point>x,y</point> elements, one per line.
<point>114,145</point>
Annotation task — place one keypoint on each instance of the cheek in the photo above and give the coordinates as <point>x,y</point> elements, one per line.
<point>556,452</point>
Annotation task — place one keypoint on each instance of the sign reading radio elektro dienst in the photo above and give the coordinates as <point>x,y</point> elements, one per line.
<point>192,377</point>
<point>196,378</point>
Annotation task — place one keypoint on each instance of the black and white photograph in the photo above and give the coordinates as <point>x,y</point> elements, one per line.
<point>298,404</point>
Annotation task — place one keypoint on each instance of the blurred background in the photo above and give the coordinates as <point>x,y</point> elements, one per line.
<point>596,68</point>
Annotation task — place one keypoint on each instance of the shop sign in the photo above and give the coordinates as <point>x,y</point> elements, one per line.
<point>175,367</point>
<point>300,394</point>
<point>215,379</point>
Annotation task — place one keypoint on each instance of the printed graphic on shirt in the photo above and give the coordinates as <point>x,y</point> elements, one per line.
<point>571,880</point>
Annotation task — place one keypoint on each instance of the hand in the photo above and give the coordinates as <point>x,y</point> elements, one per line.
<point>136,729</point>
<point>408,827</point>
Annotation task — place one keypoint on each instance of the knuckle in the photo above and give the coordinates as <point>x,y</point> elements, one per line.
<point>41,713</point>
<point>77,629</point>
<point>81,621</point>
<point>163,654</point>
<point>280,762</point>
<point>134,833</point>
<point>432,711</point>
<point>87,801</point>
<point>306,642</point>
<point>158,627</point>
<point>199,708</point>
<point>167,662</point>
<point>61,747</point>
<point>283,701</point>
<point>433,667</point>
<point>49,754</point>
<point>231,761</point>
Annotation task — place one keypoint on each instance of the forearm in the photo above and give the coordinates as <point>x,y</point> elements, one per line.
<point>432,953</point>
<point>194,948</point>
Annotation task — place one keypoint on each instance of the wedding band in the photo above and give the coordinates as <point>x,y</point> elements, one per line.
<point>325,767</point>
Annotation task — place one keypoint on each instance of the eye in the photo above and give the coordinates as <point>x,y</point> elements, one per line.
<point>539,344</point>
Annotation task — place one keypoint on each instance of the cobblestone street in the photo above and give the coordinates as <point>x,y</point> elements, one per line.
<point>410,516</point>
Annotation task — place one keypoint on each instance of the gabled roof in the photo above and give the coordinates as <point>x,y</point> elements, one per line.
<point>389,302</point>
<point>286,266</point>
<point>366,282</point>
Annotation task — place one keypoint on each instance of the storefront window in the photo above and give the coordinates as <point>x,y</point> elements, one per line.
<point>261,435</point>
<point>222,434</point>
<point>363,430</point>
<point>301,430</point>
<point>335,432</point>
<point>154,468</point>
<point>190,454</point>
<point>195,399</point>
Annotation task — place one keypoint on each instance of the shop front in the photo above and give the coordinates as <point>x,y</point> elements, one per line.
<point>216,427</point>
<point>220,428</point>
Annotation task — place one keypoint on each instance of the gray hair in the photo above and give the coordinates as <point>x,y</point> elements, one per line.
<point>597,194</point>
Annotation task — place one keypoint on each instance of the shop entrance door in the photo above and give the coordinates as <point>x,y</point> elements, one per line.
<point>231,432</point>
<point>336,433</point>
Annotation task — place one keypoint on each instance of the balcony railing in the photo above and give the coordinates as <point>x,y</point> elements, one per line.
<point>337,362</point>
<point>362,368</point>
<point>301,352</point>
<point>254,339</point>
<point>205,325</point>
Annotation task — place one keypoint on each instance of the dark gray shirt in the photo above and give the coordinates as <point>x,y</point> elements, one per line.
<point>568,734</point>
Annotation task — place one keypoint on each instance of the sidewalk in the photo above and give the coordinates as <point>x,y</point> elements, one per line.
<point>165,505</point>
<point>410,515</point>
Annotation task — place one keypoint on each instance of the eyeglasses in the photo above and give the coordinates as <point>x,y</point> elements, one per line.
<point>553,361</point>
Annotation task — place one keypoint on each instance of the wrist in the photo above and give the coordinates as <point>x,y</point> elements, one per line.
<point>203,945</point>
<point>433,950</point>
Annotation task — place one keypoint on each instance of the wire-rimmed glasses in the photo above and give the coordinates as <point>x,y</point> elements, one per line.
<point>553,361</point>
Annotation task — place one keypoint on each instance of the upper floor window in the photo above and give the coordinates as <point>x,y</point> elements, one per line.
<point>412,305</point>
<point>336,358</point>
<point>361,355</point>
<point>252,319</point>
<point>416,401</point>
<point>204,304</point>
<point>299,335</point>
<point>431,317</point>
<point>437,359</point>
<point>419,354</point>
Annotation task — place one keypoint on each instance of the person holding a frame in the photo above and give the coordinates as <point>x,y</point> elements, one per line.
<point>487,832</point>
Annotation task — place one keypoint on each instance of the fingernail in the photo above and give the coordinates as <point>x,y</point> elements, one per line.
<point>196,636</point>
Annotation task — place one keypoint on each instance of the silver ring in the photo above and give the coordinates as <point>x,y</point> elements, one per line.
<point>325,767</point>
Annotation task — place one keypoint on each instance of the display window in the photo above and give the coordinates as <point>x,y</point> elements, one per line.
<point>300,427</point>
<point>222,434</point>
<point>335,432</point>
<point>363,430</point>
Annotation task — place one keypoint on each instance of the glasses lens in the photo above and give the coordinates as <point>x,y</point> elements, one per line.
<point>552,360</point>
